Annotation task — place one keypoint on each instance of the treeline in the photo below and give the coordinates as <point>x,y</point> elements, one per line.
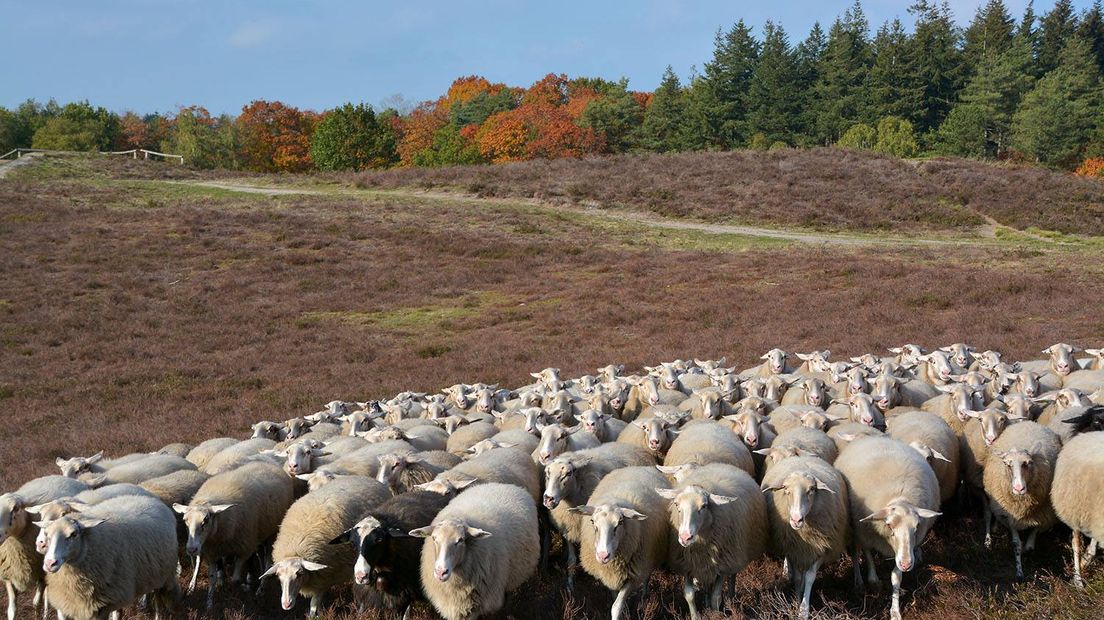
<point>1027,89</point>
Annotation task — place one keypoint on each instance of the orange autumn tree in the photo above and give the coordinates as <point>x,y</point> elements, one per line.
<point>418,130</point>
<point>276,137</point>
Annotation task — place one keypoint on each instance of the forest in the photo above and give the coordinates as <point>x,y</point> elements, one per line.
<point>1027,89</point>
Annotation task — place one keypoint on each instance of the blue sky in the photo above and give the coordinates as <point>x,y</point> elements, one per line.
<point>149,55</point>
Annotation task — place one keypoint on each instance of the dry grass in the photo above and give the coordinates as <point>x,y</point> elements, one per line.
<point>133,325</point>
<point>818,188</point>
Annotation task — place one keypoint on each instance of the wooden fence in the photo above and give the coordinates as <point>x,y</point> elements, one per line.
<point>18,153</point>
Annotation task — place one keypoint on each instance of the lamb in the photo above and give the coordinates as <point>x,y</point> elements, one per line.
<point>1018,475</point>
<point>807,391</point>
<point>720,518</point>
<point>809,513</point>
<point>484,545</point>
<point>303,559</point>
<point>205,451</point>
<point>387,556</point>
<point>629,531</point>
<point>603,426</point>
<point>113,553</point>
<point>466,436</point>
<point>569,479</point>
<point>799,441</point>
<point>401,472</point>
<point>894,494</point>
<point>935,441</point>
<point>20,570</point>
<point>232,515</point>
<point>239,454</point>
<point>556,439</point>
<point>1076,491</point>
<point>502,465</point>
<point>709,442</point>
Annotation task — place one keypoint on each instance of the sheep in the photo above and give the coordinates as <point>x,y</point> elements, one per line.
<point>176,488</point>
<point>809,514</point>
<point>629,531</point>
<point>176,449</point>
<point>481,546</point>
<point>814,363</point>
<point>1077,420</point>
<point>110,555</point>
<point>720,518</point>
<point>1061,361</point>
<point>646,392</point>
<point>1076,490</point>
<point>206,450</point>
<point>654,434</point>
<point>799,441</point>
<point>422,438</point>
<point>303,456</point>
<point>776,362</point>
<point>858,408</point>
<point>360,421</point>
<point>889,392</point>
<point>934,439</point>
<point>365,461</point>
<point>846,433</point>
<point>962,354</point>
<point>138,471</point>
<point>611,372</point>
<point>510,439</point>
<point>464,437</point>
<point>955,405</point>
<point>267,429</point>
<point>502,465</point>
<point>569,479</point>
<point>603,426</point>
<point>894,495</point>
<point>556,439</point>
<point>707,404</point>
<point>303,559</point>
<point>770,388</point>
<point>807,391</point>
<point>1018,475</point>
<point>908,354</point>
<point>76,466</point>
<point>232,515</point>
<point>854,381</point>
<point>709,442</point>
<point>20,570</point>
<point>1088,381</point>
<point>239,454</point>
<point>387,556</point>
<point>525,419</point>
<point>936,368</point>
<point>1060,401</point>
<point>400,472</point>
<point>789,417</point>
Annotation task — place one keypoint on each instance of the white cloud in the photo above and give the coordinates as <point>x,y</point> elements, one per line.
<point>253,34</point>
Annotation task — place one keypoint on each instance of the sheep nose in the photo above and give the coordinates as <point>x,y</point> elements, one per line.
<point>869,421</point>
<point>361,577</point>
<point>653,444</point>
<point>602,556</point>
<point>685,538</point>
<point>550,501</point>
<point>545,455</point>
<point>905,565</point>
<point>193,550</point>
<point>1018,489</point>
<point>797,523</point>
<point>442,574</point>
<point>287,604</point>
<point>49,565</point>
<point>751,440</point>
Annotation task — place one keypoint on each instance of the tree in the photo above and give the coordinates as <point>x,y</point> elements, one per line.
<point>808,58</point>
<point>1091,29</point>
<point>617,116</point>
<point>1056,29</point>
<point>896,137</point>
<point>1058,117</point>
<point>725,92</point>
<point>840,89</point>
<point>203,141</point>
<point>353,138</point>
<point>449,148</point>
<point>275,137</point>
<point>78,127</point>
<point>664,121</point>
<point>773,94</point>
<point>419,130</point>
<point>935,64</point>
<point>989,33</point>
<point>890,87</point>
<point>859,137</point>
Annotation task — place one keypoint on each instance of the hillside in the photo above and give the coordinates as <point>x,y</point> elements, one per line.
<point>824,188</point>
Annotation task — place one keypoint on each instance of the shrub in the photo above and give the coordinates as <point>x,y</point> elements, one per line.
<point>859,137</point>
<point>1092,167</point>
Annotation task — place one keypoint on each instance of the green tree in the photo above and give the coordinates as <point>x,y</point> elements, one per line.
<point>989,33</point>
<point>480,107</point>
<point>840,94</point>
<point>353,138</point>
<point>449,148</point>
<point>935,64</point>
<point>617,116</point>
<point>890,89</point>
<point>664,127</point>
<point>78,127</point>
<point>1060,115</point>
<point>773,94</point>
<point>1091,29</point>
<point>808,58</point>
<point>728,77</point>
<point>205,142</point>
<point>860,137</point>
<point>1056,29</point>
<point>896,137</point>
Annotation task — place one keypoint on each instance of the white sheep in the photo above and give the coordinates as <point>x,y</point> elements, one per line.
<point>628,537</point>
<point>501,465</point>
<point>718,524</point>
<point>799,441</point>
<point>703,443</point>
<point>303,559</point>
<point>206,450</point>
<point>846,433</point>
<point>1018,475</point>
<point>401,472</point>
<point>239,454</point>
<point>468,435</point>
<point>232,515</point>
<point>955,404</point>
<point>894,495</point>
<point>20,569</point>
<point>934,439</point>
<point>483,545</point>
<point>555,439</point>
<point>1077,489</point>
<point>810,522</point>
<point>810,391</point>
<point>96,464</point>
<point>603,426</point>
<point>365,461</point>
<point>110,555</point>
<point>654,434</point>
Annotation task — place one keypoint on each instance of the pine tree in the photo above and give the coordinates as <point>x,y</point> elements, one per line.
<point>664,121</point>
<point>991,32</point>
<point>935,63</point>
<point>808,56</point>
<point>1059,116</point>
<point>1091,30</point>
<point>839,91</point>
<point>728,77</point>
<point>891,92</point>
<point>1056,29</point>
<point>1028,32</point>
<point>773,91</point>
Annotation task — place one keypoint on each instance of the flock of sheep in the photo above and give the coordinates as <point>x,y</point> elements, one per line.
<point>691,467</point>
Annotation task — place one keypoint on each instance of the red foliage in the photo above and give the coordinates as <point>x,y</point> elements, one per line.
<point>276,137</point>
<point>466,88</point>
<point>536,131</point>
<point>551,90</point>
<point>418,129</point>
<point>1092,167</point>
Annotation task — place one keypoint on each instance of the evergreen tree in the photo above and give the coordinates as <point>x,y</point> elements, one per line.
<point>664,121</point>
<point>729,76</point>
<point>840,97</point>
<point>935,63</point>
<point>890,89</point>
<point>991,32</point>
<point>808,55</point>
<point>1059,116</point>
<point>1056,29</point>
<point>1091,30</point>
<point>773,94</point>
<point>702,122</point>
<point>617,116</point>
<point>1028,32</point>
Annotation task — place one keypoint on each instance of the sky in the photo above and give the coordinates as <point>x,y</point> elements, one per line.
<point>149,55</point>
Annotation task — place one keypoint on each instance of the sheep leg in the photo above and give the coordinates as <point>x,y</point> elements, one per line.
<point>1077,559</point>
<point>1017,549</point>
<point>1091,551</point>
<point>856,568</point>
<point>895,608</point>
<point>212,581</point>
<point>315,605</point>
<point>45,601</point>
<point>871,572</point>
<point>716,594</point>
<point>987,517</point>
<point>619,603</point>
<point>1029,545</point>
<point>808,578</point>
<point>688,593</point>
<point>239,567</point>
<point>572,560</point>
<point>11,599</point>
<point>195,575</point>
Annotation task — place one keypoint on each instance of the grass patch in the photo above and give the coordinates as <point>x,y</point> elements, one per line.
<point>419,319</point>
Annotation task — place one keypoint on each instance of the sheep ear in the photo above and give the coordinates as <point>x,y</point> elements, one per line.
<point>95,457</point>
<point>669,469</point>
<point>763,451</point>
<point>772,488</point>
<point>60,462</point>
<point>820,486</point>
<point>894,350</point>
<point>474,532</point>
<point>880,514</point>
<point>937,455</point>
<point>422,532</point>
<point>344,537</point>
<point>666,493</point>
<point>270,572</point>
<point>89,523</point>
<point>804,356</point>
<point>721,500</point>
<point>764,356</point>
<point>463,484</point>
<point>217,508</point>
<point>94,481</point>
<point>847,436</point>
<point>305,477</point>
<point>180,508</point>
<point>314,566</point>
<point>629,513</point>
<point>927,514</point>
<point>583,510</point>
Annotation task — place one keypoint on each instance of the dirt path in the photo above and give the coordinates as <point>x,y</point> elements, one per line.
<point>8,166</point>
